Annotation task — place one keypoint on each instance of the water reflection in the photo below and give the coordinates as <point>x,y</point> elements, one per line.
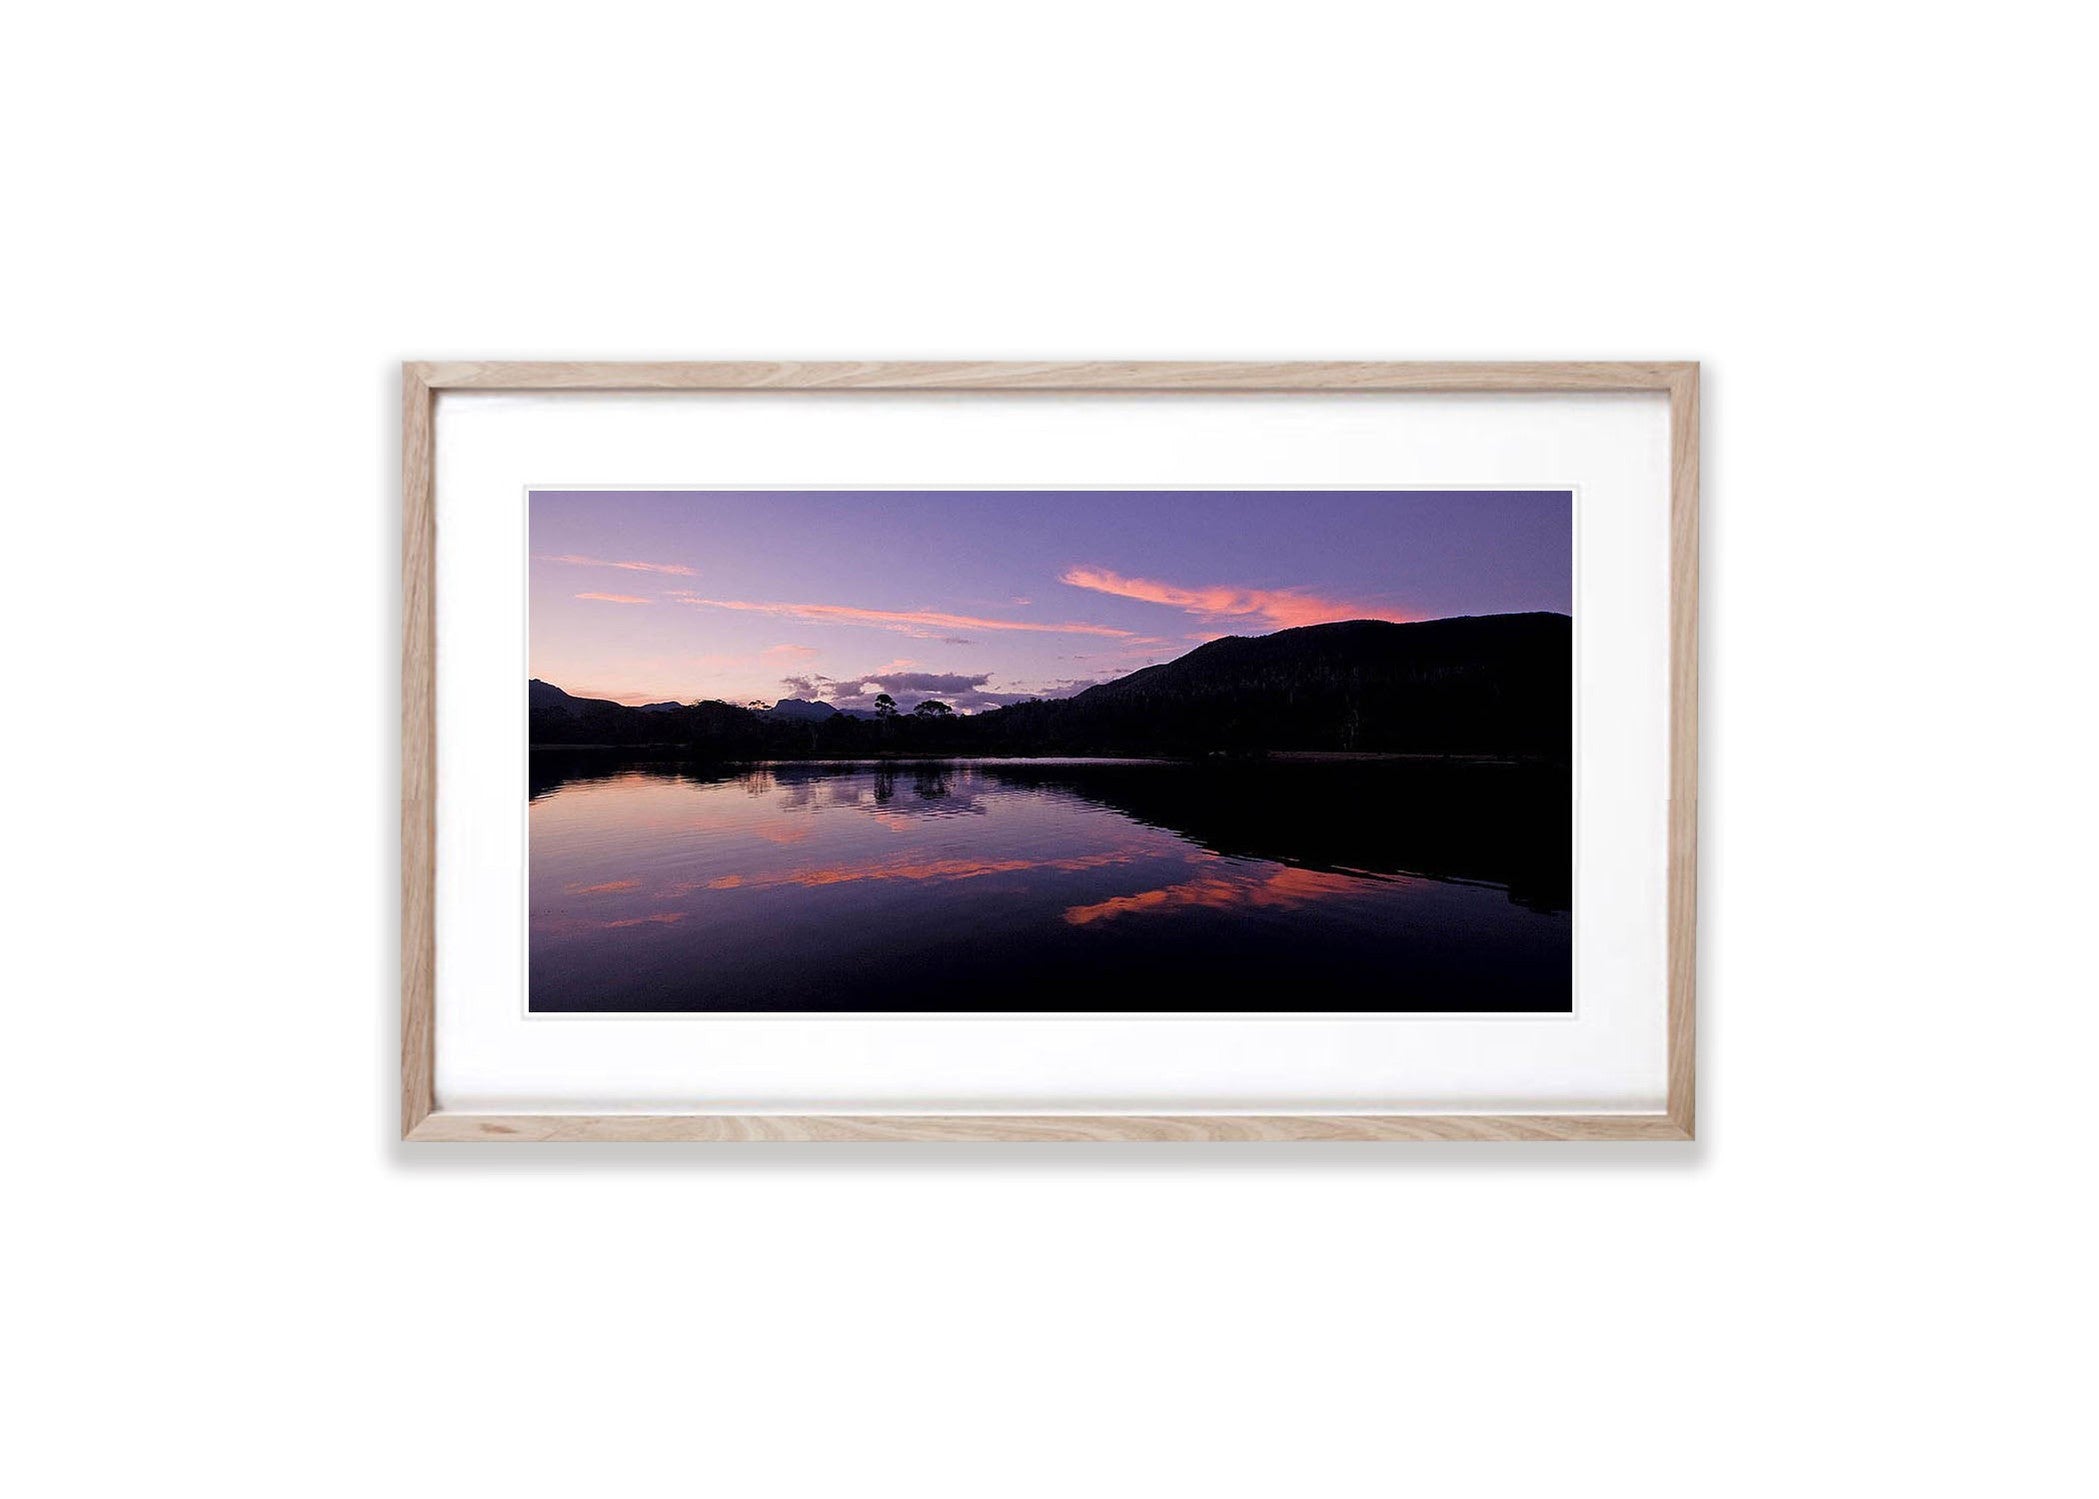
<point>1284,890</point>
<point>1498,823</point>
<point>1039,885</point>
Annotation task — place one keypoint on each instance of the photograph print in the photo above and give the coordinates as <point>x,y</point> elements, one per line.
<point>1070,751</point>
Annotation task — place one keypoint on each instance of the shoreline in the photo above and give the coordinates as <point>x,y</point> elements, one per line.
<point>671,751</point>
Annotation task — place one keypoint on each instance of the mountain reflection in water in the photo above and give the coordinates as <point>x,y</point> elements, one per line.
<point>980,885</point>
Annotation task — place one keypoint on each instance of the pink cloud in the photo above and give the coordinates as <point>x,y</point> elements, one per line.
<point>673,568</point>
<point>777,654</point>
<point>1276,608</point>
<point>909,621</point>
<point>613,598</point>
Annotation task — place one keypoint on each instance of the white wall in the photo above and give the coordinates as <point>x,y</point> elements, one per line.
<point>228,223</point>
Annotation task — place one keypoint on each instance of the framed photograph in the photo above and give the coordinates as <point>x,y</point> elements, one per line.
<point>1018,752</point>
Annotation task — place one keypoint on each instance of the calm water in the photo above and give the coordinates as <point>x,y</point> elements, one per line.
<point>1042,885</point>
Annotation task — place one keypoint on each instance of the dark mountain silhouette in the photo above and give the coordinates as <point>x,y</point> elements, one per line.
<point>1498,684</point>
<point>1489,685</point>
<point>545,698</point>
<point>802,709</point>
<point>660,707</point>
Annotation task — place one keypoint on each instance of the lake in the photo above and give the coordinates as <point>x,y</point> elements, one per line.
<point>1042,885</point>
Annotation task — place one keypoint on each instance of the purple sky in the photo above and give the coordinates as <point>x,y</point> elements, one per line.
<point>985,597</point>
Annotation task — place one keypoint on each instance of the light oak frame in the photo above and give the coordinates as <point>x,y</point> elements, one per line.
<point>422,382</point>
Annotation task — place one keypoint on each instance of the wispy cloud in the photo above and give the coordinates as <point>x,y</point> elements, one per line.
<point>675,569</point>
<point>1275,608</point>
<point>868,684</point>
<point>786,655</point>
<point>614,598</point>
<point>922,623</point>
<point>969,691</point>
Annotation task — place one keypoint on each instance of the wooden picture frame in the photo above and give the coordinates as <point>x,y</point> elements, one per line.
<point>422,1120</point>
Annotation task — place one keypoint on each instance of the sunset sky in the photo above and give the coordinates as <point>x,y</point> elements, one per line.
<point>987,597</point>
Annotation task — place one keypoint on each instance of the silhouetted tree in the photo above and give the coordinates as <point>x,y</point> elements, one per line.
<point>931,709</point>
<point>885,706</point>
